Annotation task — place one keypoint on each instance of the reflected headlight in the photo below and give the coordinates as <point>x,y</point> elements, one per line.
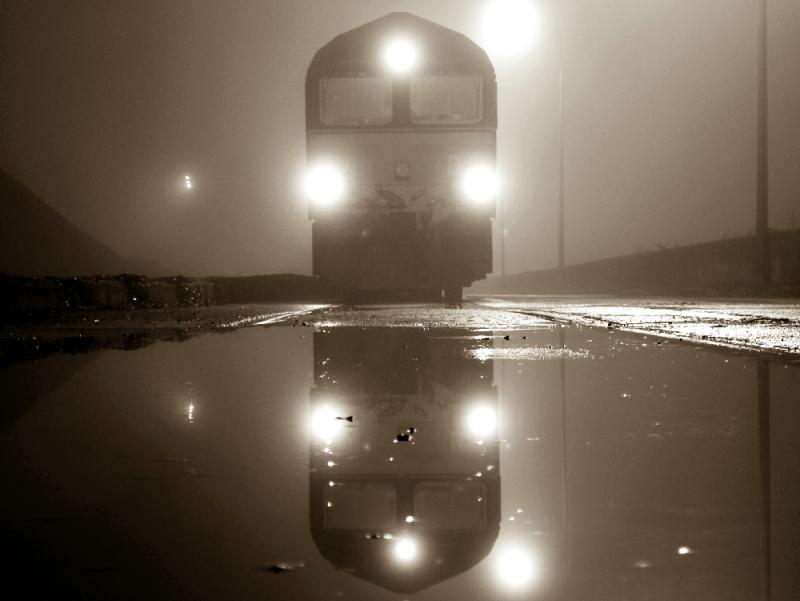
<point>481,421</point>
<point>326,425</point>
<point>479,184</point>
<point>515,567</point>
<point>405,550</point>
<point>325,185</point>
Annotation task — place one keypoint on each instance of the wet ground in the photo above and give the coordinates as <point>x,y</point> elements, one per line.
<point>412,453</point>
<point>771,325</point>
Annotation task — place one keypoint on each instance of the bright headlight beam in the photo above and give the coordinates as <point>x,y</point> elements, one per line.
<point>508,27</point>
<point>479,184</point>
<point>325,185</point>
<point>400,56</point>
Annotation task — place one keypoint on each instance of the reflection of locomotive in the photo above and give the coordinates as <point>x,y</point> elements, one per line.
<point>404,459</point>
<point>401,118</point>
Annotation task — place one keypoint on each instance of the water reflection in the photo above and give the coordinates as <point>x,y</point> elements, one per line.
<point>404,455</point>
<point>629,469</point>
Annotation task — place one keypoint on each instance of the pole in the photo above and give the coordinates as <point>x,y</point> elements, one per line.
<point>561,161</point>
<point>502,238</point>
<point>762,169</point>
<point>765,468</point>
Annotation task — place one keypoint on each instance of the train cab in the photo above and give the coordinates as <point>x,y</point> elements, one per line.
<point>401,119</point>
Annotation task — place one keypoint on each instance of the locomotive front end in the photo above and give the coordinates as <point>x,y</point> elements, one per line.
<point>401,184</point>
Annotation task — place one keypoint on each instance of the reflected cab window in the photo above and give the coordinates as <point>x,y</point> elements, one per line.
<point>450,505</point>
<point>446,99</point>
<point>355,100</point>
<point>360,506</point>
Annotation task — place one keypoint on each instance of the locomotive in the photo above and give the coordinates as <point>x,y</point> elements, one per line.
<point>401,126</point>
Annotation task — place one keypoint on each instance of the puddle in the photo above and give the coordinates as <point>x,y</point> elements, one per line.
<point>367,462</point>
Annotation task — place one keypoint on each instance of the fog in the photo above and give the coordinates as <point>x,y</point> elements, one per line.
<point>105,106</point>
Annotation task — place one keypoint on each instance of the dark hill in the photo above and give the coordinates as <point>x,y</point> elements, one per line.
<point>37,240</point>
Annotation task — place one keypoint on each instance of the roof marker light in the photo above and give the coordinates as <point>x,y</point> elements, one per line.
<point>400,56</point>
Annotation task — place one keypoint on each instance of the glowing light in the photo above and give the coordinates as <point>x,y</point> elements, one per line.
<point>405,550</point>
<point>325,185</point>
<point>400,56</point>
<point>190,413</point>
<point>515,568</point>
<point>482,421</point>
<point>508,27</point>
<point>324,424</point>
<point>188,184</point>
<point>479,184</point>
<point>410,519</point>
<point>684,550</point>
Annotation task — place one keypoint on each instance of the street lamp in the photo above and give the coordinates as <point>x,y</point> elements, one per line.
<point>508,27</point>
<point>507,31</point>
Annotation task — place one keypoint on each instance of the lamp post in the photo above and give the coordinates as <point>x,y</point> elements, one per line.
<point>507,29</point>
<point>561,160</point>
<point>762,170</point>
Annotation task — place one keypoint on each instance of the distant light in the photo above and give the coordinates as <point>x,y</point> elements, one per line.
<point>188,183</point>
<point>400,56</point>
<point>405,550</point>
<point>515,568</point>
<point>410,519</point>
<point>190,413</point>
<point>684,550</point>
<point>508,27</point>
<point>482,421</point>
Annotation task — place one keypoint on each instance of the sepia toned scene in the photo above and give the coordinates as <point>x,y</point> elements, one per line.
<point>400,300</point>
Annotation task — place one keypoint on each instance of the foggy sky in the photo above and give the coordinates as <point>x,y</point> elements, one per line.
<point>105,105</point>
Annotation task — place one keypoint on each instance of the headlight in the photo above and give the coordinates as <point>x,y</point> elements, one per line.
<point>481,421</point>
<point>325,185</point>
<point>400,56</point>
<point>479,184</point>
